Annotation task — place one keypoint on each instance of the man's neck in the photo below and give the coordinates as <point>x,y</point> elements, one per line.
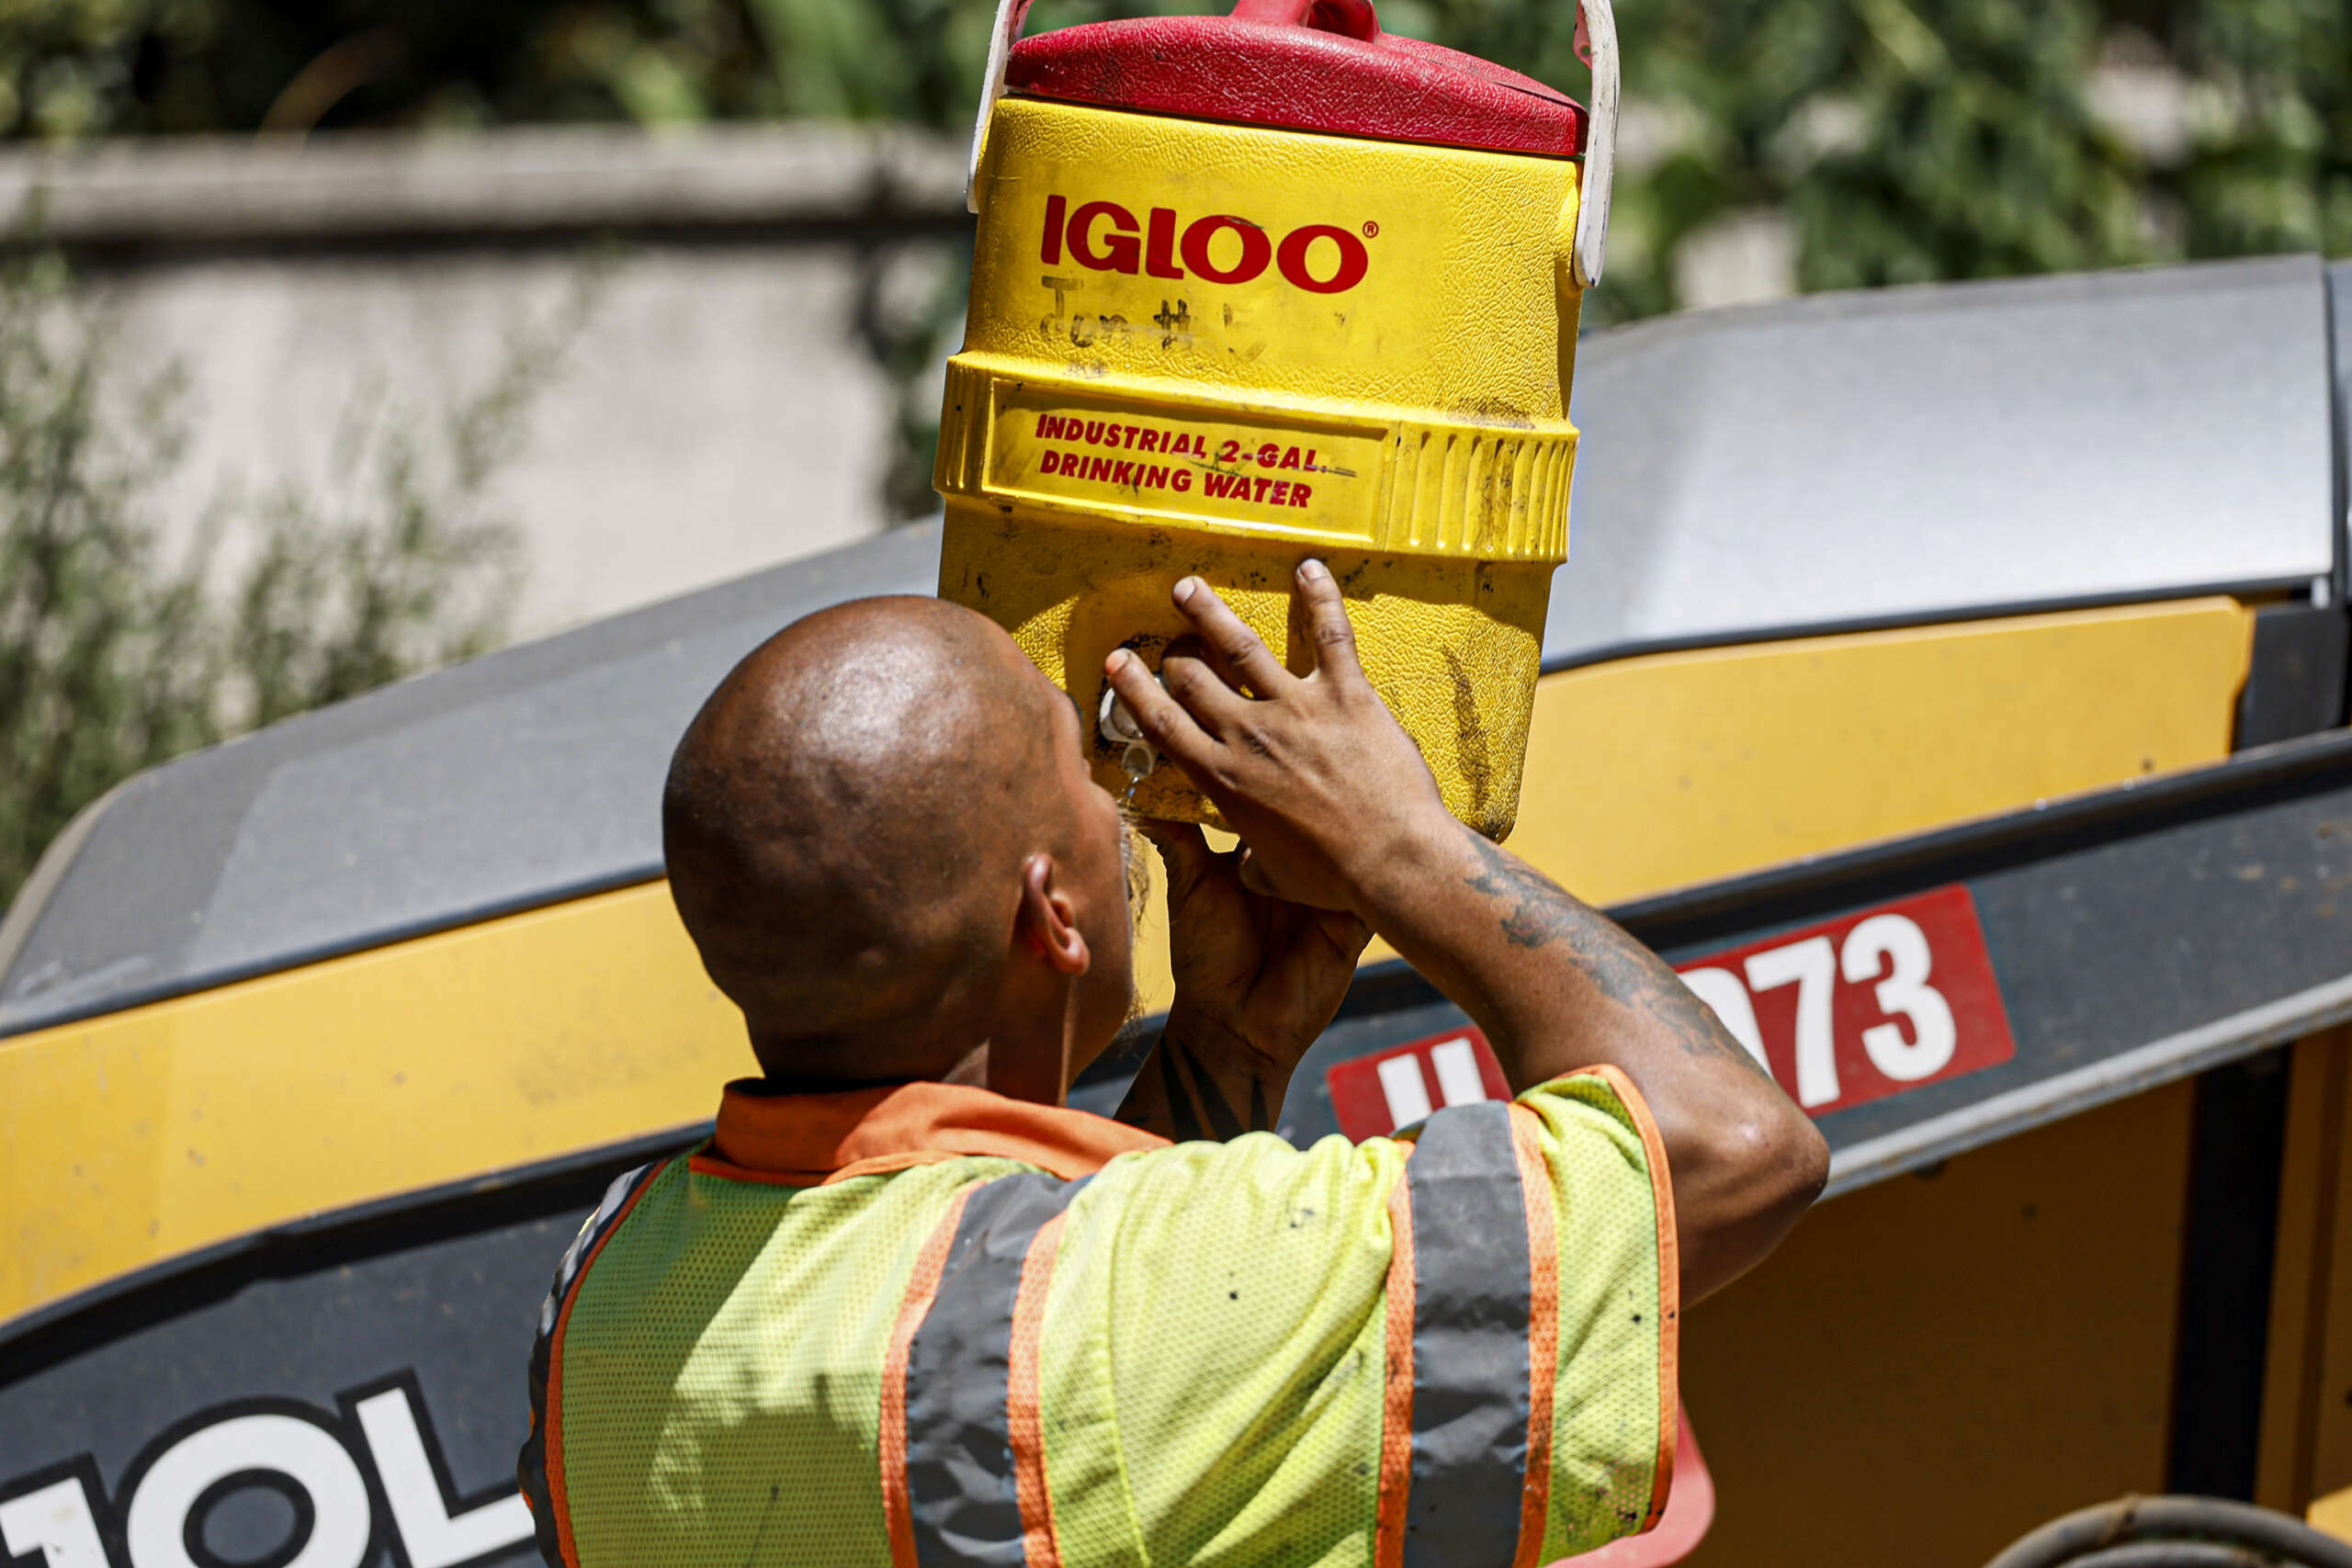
<point>1010,1074</point>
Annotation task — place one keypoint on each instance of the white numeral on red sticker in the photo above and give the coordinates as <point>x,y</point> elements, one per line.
<point>1456,1062</point>
<point>1883,1001</point>
<point>1407,1091</point>
<point>1894,939</point>
<point>1811,967</point>
<point>1408,1095</point>
<point>1886,950</point>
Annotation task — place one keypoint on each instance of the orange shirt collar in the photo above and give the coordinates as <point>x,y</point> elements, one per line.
<point>806,1140</point>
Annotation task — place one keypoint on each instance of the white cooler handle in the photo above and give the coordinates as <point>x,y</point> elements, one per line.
<point>1009,15</point>
<point>1598,23</point>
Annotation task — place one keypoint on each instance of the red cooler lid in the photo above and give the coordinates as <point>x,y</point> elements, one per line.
<point>1304,65</point>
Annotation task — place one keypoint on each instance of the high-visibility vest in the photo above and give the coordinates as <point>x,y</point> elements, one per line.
<point>927,1325</point>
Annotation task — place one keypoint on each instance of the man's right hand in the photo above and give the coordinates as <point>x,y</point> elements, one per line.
<point>1312,772</point>
<point>1338,810</point>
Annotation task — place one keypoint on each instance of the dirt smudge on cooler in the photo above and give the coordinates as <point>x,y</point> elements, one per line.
<point>1477,769</point>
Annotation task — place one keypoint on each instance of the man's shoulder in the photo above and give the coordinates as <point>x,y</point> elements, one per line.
<point>693,1206</point>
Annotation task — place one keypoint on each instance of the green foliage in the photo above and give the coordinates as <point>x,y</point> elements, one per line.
<point>104,662</point>
<point>1906,139</point>
<point>910,317</point>
<point>1908,142</point>
<point>115,656</point>
<point>2275,122</point>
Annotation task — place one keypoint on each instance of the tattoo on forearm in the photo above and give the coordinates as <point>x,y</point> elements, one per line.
<point>1176,1093</point>
<point>1622,970</point>
<point>1540,911</point>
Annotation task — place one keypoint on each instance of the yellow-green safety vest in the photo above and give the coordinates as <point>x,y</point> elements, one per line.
<point>927,1326</point>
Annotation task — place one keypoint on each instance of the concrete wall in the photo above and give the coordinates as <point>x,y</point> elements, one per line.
<point>719,409</point>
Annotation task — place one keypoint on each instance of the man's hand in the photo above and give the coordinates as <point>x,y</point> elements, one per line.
<point>1311,771</point>
<point>1257,980</point>
<point>1339,811</point>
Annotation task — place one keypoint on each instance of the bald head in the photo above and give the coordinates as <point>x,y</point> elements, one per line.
<point>846,824</point>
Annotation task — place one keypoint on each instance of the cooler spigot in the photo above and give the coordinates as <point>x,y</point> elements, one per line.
<point>1117,726</point>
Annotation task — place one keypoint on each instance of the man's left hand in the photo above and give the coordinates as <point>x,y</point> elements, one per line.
<point>1257,981</point>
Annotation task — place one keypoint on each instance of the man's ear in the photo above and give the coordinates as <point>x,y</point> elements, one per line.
<point>1044,919</point>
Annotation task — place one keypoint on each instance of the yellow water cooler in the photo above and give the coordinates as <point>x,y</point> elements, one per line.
<point>1253,288</point>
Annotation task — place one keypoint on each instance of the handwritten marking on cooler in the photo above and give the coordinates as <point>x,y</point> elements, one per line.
<point>1875,1003</point>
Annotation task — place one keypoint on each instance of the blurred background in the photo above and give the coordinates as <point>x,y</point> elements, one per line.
<point>339,339</point>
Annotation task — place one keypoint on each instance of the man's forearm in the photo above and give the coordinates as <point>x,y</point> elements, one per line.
<point>1193,1086</point>
<point>1558,986</point>
<point>1538,990</point>
<point>1565,988</point>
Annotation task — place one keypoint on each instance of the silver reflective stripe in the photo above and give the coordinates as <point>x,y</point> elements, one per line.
<point>959,1443</point>
<point>1470,1319</point>
<point>615,1196</point>
<point>531,1465</point>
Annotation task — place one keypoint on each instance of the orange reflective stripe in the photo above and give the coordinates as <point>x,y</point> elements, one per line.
<point>896,1510</point>
<point>1669,1283</point>
<point>885,1165</point>
<point>801,1139</point>
<point>1543,1330</point>
<point>1396,1402</point>
<point>708,1164</point>
<point>876,1165</point>
<point>1024,1413</point>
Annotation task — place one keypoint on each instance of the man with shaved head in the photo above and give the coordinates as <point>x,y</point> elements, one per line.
<point>908,1308</point>
<point>857,818</point>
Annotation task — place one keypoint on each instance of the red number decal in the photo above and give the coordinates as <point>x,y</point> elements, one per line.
<point>1857,1009</point>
